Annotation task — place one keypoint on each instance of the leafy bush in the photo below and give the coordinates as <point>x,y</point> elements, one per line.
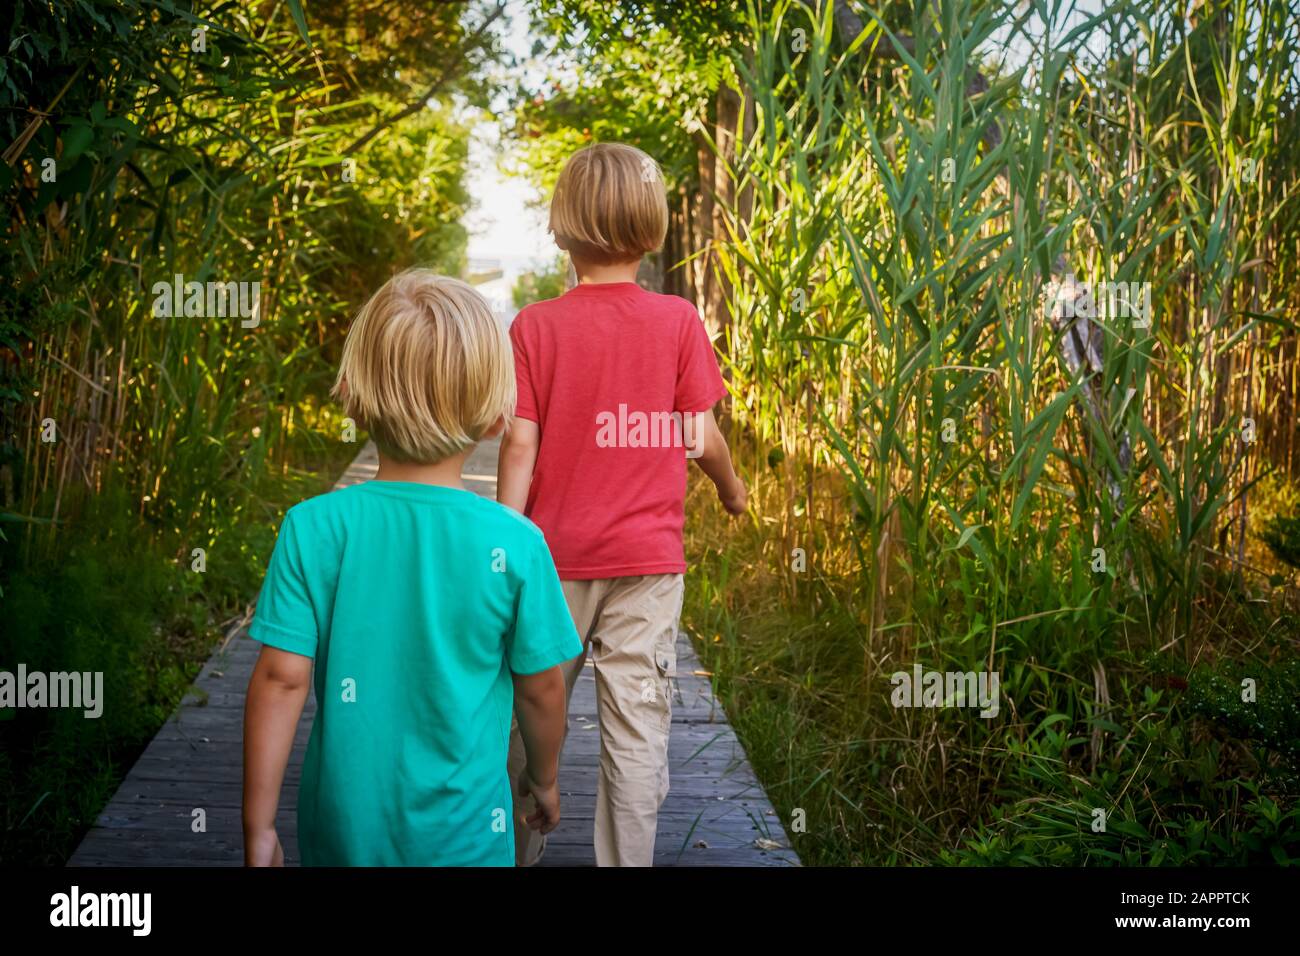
<point>216,141</point>
<point>536,286</point>
<point>1282,535</point>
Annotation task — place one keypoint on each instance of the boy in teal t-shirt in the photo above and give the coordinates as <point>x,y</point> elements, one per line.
<point>430,613</point>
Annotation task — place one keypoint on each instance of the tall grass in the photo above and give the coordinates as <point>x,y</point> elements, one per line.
<point>917,219</point>
<point>220,142</point>
<point>224,164</point>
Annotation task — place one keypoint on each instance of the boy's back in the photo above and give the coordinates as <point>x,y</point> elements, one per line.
<point>425,598</point>
<point>422,614</point>
<point>609,379</point>
<point>608,371</point>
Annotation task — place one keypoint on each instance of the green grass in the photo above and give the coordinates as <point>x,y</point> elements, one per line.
<point>245,162</point>
<point>110,598</point>
<point>1185,771</point>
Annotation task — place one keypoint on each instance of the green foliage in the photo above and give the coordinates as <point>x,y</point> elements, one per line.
<point>313,151</point>
<point>1270,721</point>
<point>104,606</point>
<point>1282,535</point>
<point>1185,772</point>
<point>218,164</point>
<point>641,73</point>
<point>113,601</point>
<point>901,226</point>
<point>536,286</point>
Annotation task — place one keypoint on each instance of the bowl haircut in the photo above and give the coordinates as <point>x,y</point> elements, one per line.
<point>609,204</point>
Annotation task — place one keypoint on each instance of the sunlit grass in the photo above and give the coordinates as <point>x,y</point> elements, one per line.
<point>982,482</point>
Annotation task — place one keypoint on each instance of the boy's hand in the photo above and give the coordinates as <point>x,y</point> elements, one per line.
<point>735,499</point>
<point>547,815</point>
<point>262,848</point>
<point>715,461</point>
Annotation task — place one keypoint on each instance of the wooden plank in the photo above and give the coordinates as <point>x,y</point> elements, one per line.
<point>148,824</point>
<point>714,813</point>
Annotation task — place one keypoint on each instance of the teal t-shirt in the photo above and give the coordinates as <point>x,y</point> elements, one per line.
<point>417,602</point>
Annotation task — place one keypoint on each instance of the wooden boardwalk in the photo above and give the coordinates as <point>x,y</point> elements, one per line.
<point>716,813</point>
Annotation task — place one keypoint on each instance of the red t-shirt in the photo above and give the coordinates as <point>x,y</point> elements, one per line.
<point>601,370</point>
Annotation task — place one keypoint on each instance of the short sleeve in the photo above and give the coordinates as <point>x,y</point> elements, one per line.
<point>543,633</point>
<point>526,404</point>
<point>285,617</point>
<point>699,380</point>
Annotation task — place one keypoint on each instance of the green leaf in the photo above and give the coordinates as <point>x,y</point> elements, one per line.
<point>75,142</point>
<point>295,8</point>
<point>966,535</point>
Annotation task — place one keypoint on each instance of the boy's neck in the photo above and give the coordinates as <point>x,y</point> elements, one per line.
<point>590,273</point>
<point>445,473</point>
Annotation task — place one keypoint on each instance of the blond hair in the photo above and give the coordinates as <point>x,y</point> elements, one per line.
<point>609,204</point>
<point>427,368</point>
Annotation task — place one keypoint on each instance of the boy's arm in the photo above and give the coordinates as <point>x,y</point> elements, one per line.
<point>515,463</point>
<point>540,709</point>
<point>277,692</point>
<point>715,461</point>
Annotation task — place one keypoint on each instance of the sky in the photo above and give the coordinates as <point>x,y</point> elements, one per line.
<point>505,223</point>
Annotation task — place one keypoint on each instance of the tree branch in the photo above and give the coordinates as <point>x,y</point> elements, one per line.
<point>435,87</point>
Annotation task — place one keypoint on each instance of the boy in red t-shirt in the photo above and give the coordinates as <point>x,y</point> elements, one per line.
<point>616,390</point>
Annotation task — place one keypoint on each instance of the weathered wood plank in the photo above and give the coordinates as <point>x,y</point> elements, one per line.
<point>714,814</point>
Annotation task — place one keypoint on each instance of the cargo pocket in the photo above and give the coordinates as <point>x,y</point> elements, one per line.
<point>666,658</point>
<point>666,664</point>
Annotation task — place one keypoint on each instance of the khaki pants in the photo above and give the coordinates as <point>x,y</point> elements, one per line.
<point>629,626</point>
